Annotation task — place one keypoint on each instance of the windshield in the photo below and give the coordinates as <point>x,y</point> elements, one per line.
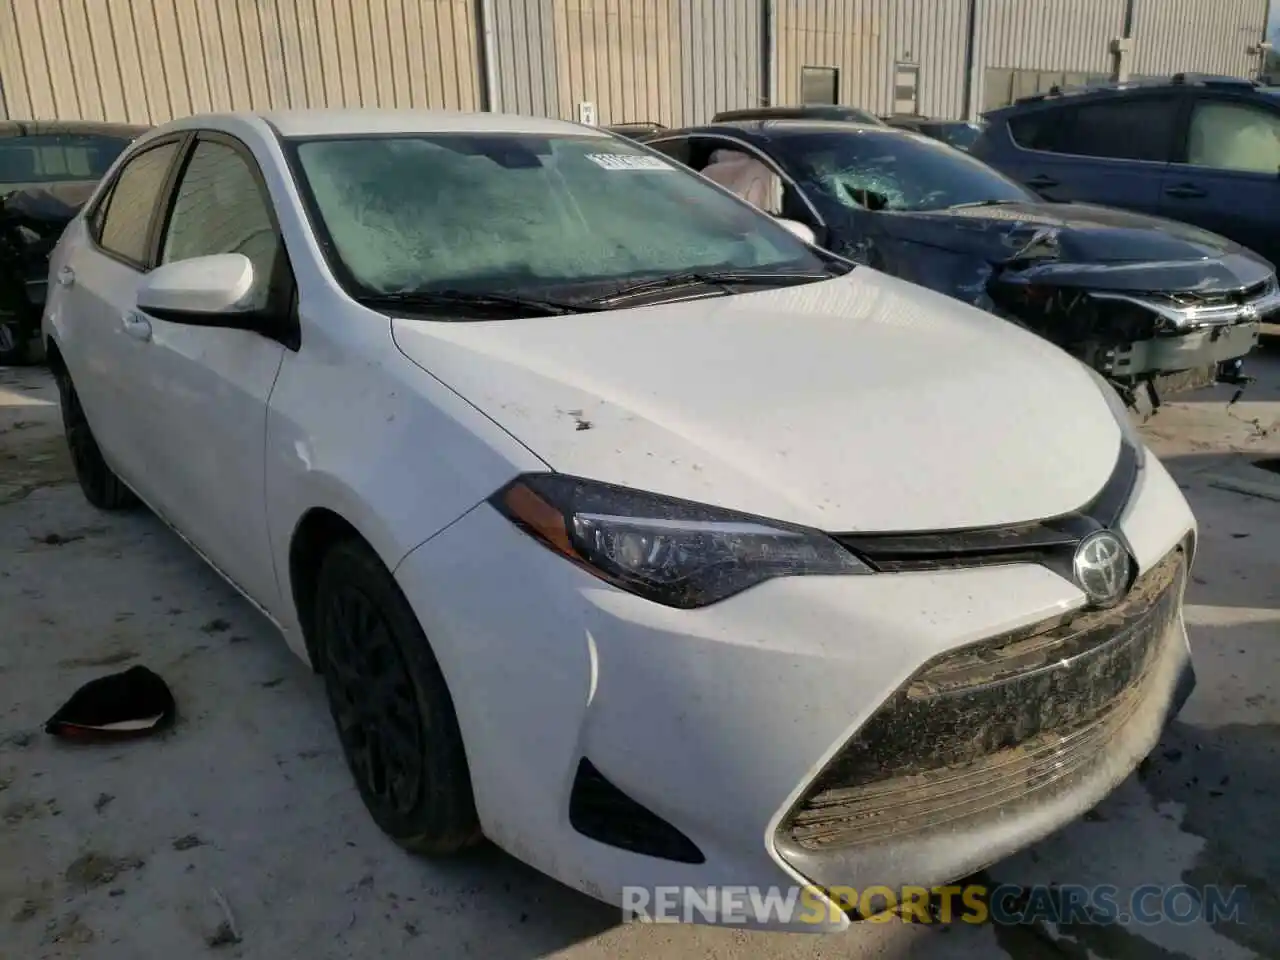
<point>57,158</point>
<point>879,171</point>
<point>962,136</point>
<point>525,213</point>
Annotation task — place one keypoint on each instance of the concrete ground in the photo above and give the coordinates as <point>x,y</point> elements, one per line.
<point>121,853</point>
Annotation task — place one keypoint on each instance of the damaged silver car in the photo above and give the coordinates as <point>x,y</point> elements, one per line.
<point>1144,301</point>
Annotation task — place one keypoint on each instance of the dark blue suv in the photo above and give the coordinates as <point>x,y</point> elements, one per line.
<point>1204,150</point>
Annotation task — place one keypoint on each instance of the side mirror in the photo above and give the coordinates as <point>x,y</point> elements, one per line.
<point>803,231</point>
<point>212,290</point>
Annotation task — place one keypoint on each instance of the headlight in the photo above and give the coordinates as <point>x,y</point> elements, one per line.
<point>673,552</point>
<point>1128,428</point>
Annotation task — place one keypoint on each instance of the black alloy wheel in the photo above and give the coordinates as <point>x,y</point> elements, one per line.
<point>394,715</point>
<point>101,487</point>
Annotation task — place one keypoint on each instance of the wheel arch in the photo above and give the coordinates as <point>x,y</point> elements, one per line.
<point>316,531</point>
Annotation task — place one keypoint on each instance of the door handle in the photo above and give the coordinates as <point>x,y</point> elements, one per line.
<point>1186,191</point>
<point>66,277</point>
<point>137,326</point>
<point>1041,182</point>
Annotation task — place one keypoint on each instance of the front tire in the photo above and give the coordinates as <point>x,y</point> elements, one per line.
<point>101,487</point>
<point>393,711</point>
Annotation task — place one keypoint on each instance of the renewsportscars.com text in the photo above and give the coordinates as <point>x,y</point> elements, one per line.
<point>1007,904</point>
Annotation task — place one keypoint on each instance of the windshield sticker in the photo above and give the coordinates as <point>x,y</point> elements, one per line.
<point>628,161</point>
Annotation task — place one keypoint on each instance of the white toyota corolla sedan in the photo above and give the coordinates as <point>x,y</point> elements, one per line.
<point>626,528</point>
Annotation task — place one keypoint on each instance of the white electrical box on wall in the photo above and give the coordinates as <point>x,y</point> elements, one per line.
<point>587,113</point>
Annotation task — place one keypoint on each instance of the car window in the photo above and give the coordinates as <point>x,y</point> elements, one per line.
<point>1137,129</point>
<point>1234,136</point>
<point>132,202</point>
<point>220,208</point>
<point>962,136</point>
<point>746,175</point>
<point>524,212</point>
<point>57,158</point>
<point>884,171</point>
<point>677,149</point>
<point>1120,129</point>
<point>1038,130</point>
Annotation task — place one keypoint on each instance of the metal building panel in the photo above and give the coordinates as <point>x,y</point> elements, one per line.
<point>618,55</point>
<point>152,60</point>
<point>722,52</point>
<point>866,40</point>
<point>525,57</point>
<point>1042,36</point>
<point>1171,36</point>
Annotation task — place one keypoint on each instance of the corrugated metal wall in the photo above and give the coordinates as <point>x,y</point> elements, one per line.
<point>1023,47</point>
<point>150,60</point>
<point>863,39</point>
<point>669,61</point>
<point>1177,35</point>
<point>1015,41</point>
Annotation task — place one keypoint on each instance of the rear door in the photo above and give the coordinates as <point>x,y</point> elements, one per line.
<point>95,286</point>
<point>1112,152</point>
<point>1227,175</point>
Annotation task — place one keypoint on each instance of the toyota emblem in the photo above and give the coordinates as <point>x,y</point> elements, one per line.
<point>1102,568</point>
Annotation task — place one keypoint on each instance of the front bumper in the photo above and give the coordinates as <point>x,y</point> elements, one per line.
<point>720,721</point>
<point>1200,348</point>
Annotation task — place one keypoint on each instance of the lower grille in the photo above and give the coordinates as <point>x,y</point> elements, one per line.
<point>992,724</point>
<point>599,810</point>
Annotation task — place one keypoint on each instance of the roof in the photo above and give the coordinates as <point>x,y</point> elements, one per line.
<point>323,123</point>
<point>1123,88</point>
<point>764,129</point>
<point>77,128</point>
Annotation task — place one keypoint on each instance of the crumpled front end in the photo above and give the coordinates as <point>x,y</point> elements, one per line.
<point>1132,320</point>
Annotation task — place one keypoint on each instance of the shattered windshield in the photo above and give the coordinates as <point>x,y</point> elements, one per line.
<point>877,171</point>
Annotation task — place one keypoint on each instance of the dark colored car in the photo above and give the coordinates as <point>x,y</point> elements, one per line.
<point>960,134</point>
<point>1203,150</point>
<point>633,130</point>
<point>1134,296</point>
<point>809,112</point>
<point>47,172</point>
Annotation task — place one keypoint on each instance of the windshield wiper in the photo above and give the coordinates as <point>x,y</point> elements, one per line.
<point>985,203</point>
<point>716,278</point>
<point>499,302</point>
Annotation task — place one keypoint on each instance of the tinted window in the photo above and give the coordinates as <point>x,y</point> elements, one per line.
<point>1234,136</point>
<point>219,208</point>
<point>525,213</point>
<point>1135,129</point>
<point>677,150</point>
<point>1040,130</point>
<point>1121,129</point>
<point>55,158</point>
<point>962,136</point>
<point>133,200</point>
<point>892,172</point>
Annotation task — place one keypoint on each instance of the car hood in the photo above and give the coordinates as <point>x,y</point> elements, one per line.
<point>1076,244</point>
<point>857,404</point>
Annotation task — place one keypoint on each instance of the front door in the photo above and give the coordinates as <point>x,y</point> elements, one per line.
<point>210,385</point>
<point>1112,152</point>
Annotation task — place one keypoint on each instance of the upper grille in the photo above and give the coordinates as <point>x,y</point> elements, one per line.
<point>992,723</point>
